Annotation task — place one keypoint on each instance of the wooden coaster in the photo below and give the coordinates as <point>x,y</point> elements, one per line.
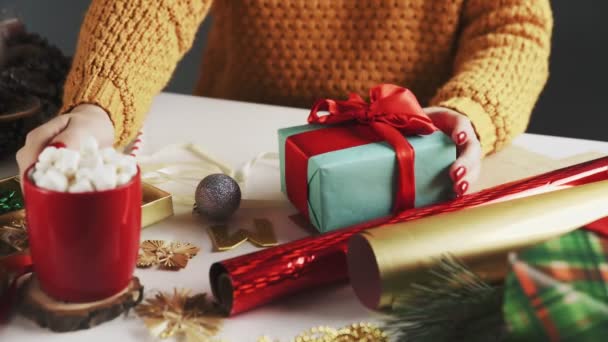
<point>62,317</point>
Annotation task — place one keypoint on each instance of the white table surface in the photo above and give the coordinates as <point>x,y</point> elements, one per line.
<point>235,132</point>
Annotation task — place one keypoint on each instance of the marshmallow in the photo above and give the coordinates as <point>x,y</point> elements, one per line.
<point>84,174</point>
<point>83,185</point>
<point>127,165</point>
<point>90,161</point>
<point>48,155</point>
<point>89,145</point>
<point>104,178</point>
<point>37,174</point>
<point>122,179</point>
<point>89,169</point>
<point>42,166</point>
<point>68,161</point>
<point>110,156</point>
<point>53,180</point>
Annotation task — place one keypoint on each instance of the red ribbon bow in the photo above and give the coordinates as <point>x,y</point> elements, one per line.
<point>393,111</point>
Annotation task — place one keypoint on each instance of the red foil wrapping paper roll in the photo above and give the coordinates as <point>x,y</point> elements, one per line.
<point>251,280</point>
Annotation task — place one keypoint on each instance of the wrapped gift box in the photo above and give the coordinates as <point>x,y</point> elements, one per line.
<point>349,175</point>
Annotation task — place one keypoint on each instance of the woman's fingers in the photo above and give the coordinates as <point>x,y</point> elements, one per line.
<point>462,131</point>
<point>442,118</point>
<point>69,138</point>
<point>465,170</point>
<point>39,138</point>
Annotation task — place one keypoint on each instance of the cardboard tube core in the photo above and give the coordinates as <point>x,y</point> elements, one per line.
<point>221,286</point>
<point>364,271</point>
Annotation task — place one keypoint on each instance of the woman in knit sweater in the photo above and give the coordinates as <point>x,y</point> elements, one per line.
<point>477,65</point>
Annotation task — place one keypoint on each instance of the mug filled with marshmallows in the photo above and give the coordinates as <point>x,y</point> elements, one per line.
<point>83,210</point>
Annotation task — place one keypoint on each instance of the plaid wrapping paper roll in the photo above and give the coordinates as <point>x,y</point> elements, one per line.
<point>558,290</point>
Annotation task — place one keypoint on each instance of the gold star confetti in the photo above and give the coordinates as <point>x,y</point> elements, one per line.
<point>357,332</point>
<point>262,236</point>
<point>168,255</point>
<point>194,317</point>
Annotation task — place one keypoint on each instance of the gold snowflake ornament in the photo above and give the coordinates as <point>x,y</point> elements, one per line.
<point>194,317</point>
<point>168,255</point>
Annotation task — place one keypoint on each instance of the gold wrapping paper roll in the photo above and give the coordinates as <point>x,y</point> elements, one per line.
<point>383,262</point>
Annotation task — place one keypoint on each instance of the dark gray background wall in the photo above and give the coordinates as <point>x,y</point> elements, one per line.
<point>573,103</point>
<point>59,21</point>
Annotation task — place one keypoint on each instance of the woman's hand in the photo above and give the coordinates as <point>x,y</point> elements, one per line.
<point>467,166</point>
<point>83,121</point>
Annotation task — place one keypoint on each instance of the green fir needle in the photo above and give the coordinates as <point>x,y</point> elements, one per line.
<point>10,201</point>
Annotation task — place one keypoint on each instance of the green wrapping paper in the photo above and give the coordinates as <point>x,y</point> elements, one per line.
<point>558,290</point>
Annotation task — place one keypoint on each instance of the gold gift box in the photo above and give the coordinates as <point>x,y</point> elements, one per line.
<point>156,206</point>
<point>9,223</point>
<point>10,184</point>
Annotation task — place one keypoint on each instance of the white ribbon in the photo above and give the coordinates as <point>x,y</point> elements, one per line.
<point>190,173</point>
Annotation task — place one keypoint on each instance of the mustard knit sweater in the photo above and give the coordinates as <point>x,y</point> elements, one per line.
<point>487,59</point>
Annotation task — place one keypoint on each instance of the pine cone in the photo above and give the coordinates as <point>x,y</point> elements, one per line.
<point>31,68</point>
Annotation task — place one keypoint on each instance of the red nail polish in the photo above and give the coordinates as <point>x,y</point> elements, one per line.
<point>58,145</point>
<point>463,187</point>
<point>461,138</point>
<point>459,173</point>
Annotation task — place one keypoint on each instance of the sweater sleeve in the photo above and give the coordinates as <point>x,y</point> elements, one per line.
<point>127,51</point>
<point>501,66</point>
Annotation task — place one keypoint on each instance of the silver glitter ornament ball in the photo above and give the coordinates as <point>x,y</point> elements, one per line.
<point>217,196</point>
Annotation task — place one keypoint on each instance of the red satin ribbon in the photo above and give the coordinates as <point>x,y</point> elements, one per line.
<point>299,148</point>
<point>393,112</point>
<point>18,264</point>
<point>599,227</point>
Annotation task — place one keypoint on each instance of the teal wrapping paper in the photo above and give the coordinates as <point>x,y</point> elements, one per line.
<point>357,184</point>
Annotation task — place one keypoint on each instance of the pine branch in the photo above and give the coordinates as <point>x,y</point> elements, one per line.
<point>454,305</point>
<point>10,201</point>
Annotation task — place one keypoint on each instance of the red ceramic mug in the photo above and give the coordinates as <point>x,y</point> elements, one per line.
<point>83,245</point>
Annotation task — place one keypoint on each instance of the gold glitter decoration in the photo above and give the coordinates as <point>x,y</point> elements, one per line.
<point>264,339</point>
<point>262,236</point>
<point>168,255</point>
<point>357,332</point>
<point>13,230</point>
<point>194,317</point>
